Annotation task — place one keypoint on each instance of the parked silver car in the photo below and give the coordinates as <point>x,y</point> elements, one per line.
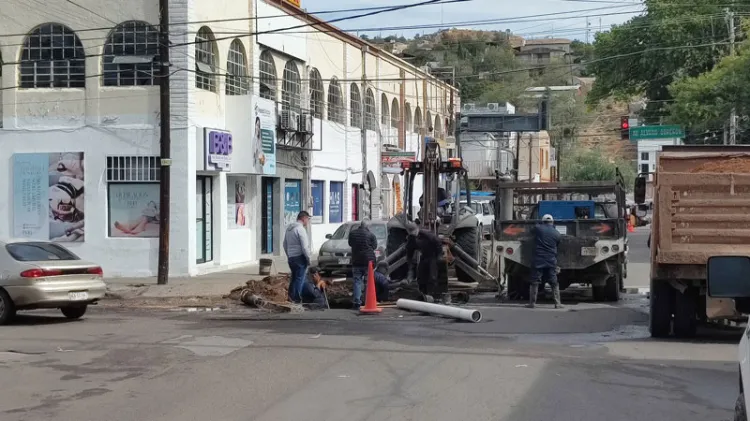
<point>336,255</point>
<point>41,274</point>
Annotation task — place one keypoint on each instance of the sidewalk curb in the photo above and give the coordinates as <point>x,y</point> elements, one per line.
<point>638,291</point>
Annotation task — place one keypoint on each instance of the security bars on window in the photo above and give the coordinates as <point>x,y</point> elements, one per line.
<point>291,89</point>
<point>267,73</point>
<point>131,55</point>
<point>52,57</point>
<point>128,169</point>
<point>316,93</point>
<point>355,106</point>
<point>237,82</point>
<point>336,110</point>
<point>205,60</point>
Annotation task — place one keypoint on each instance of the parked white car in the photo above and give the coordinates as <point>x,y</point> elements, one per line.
<point>484,209</point>
<point>727,278</point>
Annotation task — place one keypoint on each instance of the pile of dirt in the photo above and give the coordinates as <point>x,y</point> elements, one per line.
<point>738,165</point>
<point>274,289</point>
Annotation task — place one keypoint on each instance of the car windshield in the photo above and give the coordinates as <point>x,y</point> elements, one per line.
<point>340,233</point>
<point>39,252</point>
<point>379,230</point>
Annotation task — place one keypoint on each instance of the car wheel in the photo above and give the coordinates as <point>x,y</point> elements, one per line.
<point>740,412</point>
<point>7,307</point>
<point>75,312</point>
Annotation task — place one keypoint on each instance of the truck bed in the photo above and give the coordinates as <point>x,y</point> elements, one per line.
<point>702,205</point>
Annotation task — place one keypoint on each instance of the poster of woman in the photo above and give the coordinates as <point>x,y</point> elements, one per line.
<point>239,200</point>
<point>134,210</point>
<point>66,197</point>
<point>259,159</point>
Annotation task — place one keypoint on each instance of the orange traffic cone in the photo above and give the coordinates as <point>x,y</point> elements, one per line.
<point>371,299</point>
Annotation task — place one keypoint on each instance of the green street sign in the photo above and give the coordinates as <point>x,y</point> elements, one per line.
<point>656,132</point>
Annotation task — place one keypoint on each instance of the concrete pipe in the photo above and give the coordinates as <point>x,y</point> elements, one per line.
<point>449,311</point>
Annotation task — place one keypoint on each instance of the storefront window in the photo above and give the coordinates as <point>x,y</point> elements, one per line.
<point>133,196</point>
<point>318,196</point>
<point>336,204</point>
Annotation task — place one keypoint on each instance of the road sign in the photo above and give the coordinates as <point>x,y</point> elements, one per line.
<point>655,132</point>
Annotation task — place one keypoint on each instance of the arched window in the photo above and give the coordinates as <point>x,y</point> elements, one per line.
<point>131,55</point>
<point>417,120</point>
<point>385,113</point>
<point>316,93</point>
<point>355,107</point>
<point>371,117</point>
<point>205,60</point>
<point>438,127</point>
<point>407,118</point>
<point>1,91</point>
<point>52,57</point>
<point>336,110</point>
<point>267,73</point>
<point>291,88</point>
<point>395,114</point>
<point>237,82</point>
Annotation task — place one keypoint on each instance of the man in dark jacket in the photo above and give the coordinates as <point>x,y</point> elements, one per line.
<point>363,244</point>
<point>544,264</point>
<point>433,283</point>
<point>312,290</point>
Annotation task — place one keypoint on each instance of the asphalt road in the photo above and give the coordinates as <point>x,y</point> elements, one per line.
<point>639,258</point>
<point>587,362</point>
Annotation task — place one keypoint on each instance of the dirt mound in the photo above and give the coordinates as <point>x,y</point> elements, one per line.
<point>739,165</point>
<point>274,289</point>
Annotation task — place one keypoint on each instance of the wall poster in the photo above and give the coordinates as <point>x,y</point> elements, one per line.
<point>336,204</point>
<point>318,192</point>
<point>133,209</point>
<point>237,202</point>
<point>48,196</point>
<point>292,202</point>
<point>264,136</point>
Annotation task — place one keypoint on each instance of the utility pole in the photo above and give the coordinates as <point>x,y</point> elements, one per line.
<point>531,144</point>
<point>165,143</point>
<point>588,25</point>
<point>364,213</point>
<point>733,115</point>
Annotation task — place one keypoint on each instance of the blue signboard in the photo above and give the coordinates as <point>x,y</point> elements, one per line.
<point>292,202</point>
<point>269,218</point>
<point>317,188</point>
<point>336,204</point>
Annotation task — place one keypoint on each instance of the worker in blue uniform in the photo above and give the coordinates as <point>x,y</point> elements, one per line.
<point>544,264</point>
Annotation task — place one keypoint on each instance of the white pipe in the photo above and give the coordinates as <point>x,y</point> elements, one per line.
<point>449,311</point>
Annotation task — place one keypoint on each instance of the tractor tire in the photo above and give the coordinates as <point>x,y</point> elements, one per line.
<point>609,292</point>
<point>468,239</point>
<point>661,303</point>
<point>396,239</point>
<point>685,317</point>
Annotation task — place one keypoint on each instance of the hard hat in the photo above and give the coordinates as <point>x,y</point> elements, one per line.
<point>548,218</point>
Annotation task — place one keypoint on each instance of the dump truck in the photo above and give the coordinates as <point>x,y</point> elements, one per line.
<point>701,209</point>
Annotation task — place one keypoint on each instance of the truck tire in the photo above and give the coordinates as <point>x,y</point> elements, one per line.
<point>609,292</point>
<point>396,239</point>
<point>740,412</point>
<point>685,317</point>
<point>660,314</point>
<point>468,239</point>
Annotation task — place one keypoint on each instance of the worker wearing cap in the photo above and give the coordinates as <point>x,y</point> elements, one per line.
<point>312,290</point>
<point>544,265</point>
<point>432,283</point>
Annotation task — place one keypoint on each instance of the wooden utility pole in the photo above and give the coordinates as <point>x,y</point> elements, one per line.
<point>733,115</point>
<point>165,143</point>
<point>364,213</point>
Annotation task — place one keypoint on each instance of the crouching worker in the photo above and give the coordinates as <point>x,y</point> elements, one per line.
<point>382,283</point>
<point>312,292</point>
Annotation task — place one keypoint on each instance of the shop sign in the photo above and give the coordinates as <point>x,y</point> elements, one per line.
<point>218,149</point>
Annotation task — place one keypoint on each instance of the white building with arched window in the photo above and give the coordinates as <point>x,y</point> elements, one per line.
<point>265,122</point>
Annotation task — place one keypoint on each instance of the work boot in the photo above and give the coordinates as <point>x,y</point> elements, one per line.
<point>533,291</point>
<point>556,295</point>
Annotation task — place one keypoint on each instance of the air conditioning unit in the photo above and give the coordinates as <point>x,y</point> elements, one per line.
<point>469,107</point>
<point>289,120</point>
<point>493,106</point>
<point>305,123</point>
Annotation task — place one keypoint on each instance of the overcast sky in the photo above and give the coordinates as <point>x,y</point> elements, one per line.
<point>520,16</point>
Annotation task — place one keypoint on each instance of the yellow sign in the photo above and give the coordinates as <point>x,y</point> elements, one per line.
<point>399,201</point>
<point>294,2</point>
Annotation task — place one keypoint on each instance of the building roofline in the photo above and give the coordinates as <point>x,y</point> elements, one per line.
<point>337,32</point>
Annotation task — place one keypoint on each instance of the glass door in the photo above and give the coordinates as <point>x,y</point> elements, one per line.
<point>267,216</point>
<point>204,251</point>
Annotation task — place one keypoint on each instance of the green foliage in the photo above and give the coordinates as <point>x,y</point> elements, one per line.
<point>670,41</point>
<point>593,165</point>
